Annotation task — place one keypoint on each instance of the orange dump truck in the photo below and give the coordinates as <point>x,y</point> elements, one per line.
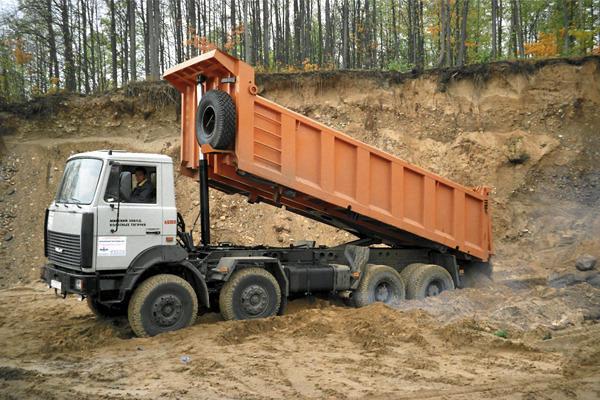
<point>280,157</point>
<point>122,245</point>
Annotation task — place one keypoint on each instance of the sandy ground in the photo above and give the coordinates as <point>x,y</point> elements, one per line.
<point>444,347</point>
<point>533,333</point>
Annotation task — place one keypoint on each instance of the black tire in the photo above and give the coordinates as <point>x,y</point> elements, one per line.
<point>216,120</point>
<point>379,284</point>
<point>103,311</point>
<point>162,303</point>
<point>250,293</point>
<point>428,280</point>
<point>409,270</point>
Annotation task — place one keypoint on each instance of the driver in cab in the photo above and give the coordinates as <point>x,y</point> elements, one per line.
<point>143,191</point>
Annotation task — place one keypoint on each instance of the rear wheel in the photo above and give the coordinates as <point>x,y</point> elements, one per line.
<point>427,281</point>
<point>409,270</point>
<point>162,303</point>
<point>103,310</point>
<point>250,293</point>
<point>380,284</point>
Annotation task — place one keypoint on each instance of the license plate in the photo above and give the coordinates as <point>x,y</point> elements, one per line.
<point>56,284</point>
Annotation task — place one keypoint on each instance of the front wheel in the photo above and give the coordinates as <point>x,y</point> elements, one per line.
<point>250,293</point>
<point>162,303</point>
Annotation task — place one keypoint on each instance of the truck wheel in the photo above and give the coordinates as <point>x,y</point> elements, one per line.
<point>380,284</point>
<point>250,293</point>
<point>162,303</point>
<point>216,120</point>
<point>409,270</point>
<point>102,311</point>
<point>427,281</point>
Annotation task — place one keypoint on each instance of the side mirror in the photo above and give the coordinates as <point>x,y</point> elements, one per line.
<point>112,188</point>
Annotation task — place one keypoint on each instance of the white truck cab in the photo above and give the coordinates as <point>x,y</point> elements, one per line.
<point>97,223</point>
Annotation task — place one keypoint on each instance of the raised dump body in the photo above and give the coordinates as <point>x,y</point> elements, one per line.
<point>286,159</point>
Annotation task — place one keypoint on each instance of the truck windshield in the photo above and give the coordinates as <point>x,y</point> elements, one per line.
<point>79,181</point>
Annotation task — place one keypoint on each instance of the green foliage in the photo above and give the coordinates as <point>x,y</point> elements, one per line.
<point>399,66</point>
<point>501,333</point>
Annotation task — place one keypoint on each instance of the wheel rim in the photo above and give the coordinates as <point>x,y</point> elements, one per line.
<point>167,310</point>
<point>383,292</point>
<point>254,300</point>
<point>208,121</point>
<point>434,289</point>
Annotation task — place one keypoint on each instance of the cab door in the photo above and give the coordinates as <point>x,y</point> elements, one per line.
<point>127,227</point>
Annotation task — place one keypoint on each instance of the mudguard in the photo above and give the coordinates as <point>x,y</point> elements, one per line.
<point>166,259</point>
<point>228,265</point>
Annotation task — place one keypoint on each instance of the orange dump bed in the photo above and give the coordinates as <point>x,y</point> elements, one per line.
<point>286,159</point>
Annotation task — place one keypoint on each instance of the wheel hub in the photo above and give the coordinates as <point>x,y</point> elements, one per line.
<point>254,299</point>
<point>208,120</point>
<point>433,289</point>
<point>383,292</point>
<point>167,310</point>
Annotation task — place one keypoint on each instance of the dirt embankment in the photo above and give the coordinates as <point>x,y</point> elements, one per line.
<point>531,131</point>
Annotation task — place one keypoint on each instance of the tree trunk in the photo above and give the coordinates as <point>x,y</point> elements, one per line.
<point>247,44</point>
<point>113,43</point>
<point>566,9</point>
<point>124,46</point>
<point>519,28</point>
<point>233,29</point>
<point>288,34</point>
<point>191,28</point>
<point>53,66</point>
<point>265,28</point>
<point>494,29</point>
<point>345,35</point>
<point>500,15</point>
<point>84,48</point>
<point>154,38</point>
<point>92,48</point>
<point>70,82</point>
<point>462,49</point>
<point>132,44</point>
<point>444,26</point>
<point>394,31</point>
<point>146,26</point>
<point>420,37</point>
<point>411,31</point>
<point>178,34</point>
<point>320,30</point>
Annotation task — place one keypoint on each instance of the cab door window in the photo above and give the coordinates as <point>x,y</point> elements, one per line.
<point>131,184</point>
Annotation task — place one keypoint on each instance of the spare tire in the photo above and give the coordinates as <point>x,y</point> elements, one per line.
<point>216,120</point>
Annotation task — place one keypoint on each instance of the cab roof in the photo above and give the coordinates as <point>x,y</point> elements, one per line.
<point>121,155</point>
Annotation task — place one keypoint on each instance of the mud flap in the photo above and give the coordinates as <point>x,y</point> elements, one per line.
<point>358,257</point>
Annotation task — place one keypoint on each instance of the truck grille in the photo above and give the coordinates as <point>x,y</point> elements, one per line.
<point>64,249</point>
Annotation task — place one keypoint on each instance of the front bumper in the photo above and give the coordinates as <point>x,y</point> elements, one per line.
<point>71,282</point>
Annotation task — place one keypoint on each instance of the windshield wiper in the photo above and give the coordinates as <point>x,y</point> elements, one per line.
<point>75,201</point>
